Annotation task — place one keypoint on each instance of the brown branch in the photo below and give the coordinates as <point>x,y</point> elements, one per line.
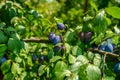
<point>37,40</point>
<point>85,6</point>
<point>104,52</point>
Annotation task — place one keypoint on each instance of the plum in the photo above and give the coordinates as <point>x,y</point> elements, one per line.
<point>51,36</point>
<point>61,26</point>
<point>57,48</point>
<point>109,47</point>
<point>3,60</point>
<point>102,47</point>
<point>56,39</point>
<point>81,35</point>
<point>117,68</point>
<point>88,37</point>
<point>34,56</point>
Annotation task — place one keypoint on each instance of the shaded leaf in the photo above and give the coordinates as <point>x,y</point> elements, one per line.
<point>5,66</point>
<point>14,45</point>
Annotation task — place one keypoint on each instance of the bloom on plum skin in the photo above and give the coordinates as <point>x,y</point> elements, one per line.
<point>3,60</point>
<point>102,47</point>
<point>61,26</point>
<point>56,40</point>
<point>51,36</point>
<point>109,47</point>
<point>117,68</point>
<point>88,37</point>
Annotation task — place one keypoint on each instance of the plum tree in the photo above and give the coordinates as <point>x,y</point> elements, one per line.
<point>61,26</point>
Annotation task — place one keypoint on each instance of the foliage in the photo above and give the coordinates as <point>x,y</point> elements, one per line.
<point>82,40</point>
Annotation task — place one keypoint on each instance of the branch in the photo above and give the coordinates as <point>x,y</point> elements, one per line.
<point>104,52</point>
<point>85,6</point>
<point>37,40</point>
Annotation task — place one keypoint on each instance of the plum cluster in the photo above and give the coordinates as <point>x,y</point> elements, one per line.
<point>106,46</point>
<point>56,38</point>
<point>85,36</point>
<point>41,58</point>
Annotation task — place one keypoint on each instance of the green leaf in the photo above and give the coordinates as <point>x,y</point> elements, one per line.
<point>90,56</point>
<point>108,20</point>
<point>94,6</point>
<point>97,60</point>
<point>8,76</point>
<point>62,74</point>
<point>60,65</point>
<point>15,68</point>
<point>93,72</point>
<point>41,70</point>
<point>3,48</point>
<point>18,59</point>
<point>69,36</point>
<point>113,11</point>
<point>55,58</point>
<point>5,66</point>
<point>100,23</point>
<point>61,70</point>
<point>11,29</point>
<point>82,59</point>
<point>68,48</point>
<point>75,67</point>
<point>3,38</point>
<point>14,45</point>
<point>76,50</point>
<point>108,78</point>
<point>72,59</point>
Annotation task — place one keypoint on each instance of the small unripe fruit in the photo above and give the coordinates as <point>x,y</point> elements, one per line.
<point>102,47</point>
<point>109,47</point>
<point>61,26</point>
<point>88,37</point>
<point>56,39</point>
<point>51,36</point>
<point>117,68</point>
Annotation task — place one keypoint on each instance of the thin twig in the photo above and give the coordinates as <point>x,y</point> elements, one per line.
<point>104,64</point>
<point>104,52</point>
<point>85,7</point>
<point>37,40</point>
